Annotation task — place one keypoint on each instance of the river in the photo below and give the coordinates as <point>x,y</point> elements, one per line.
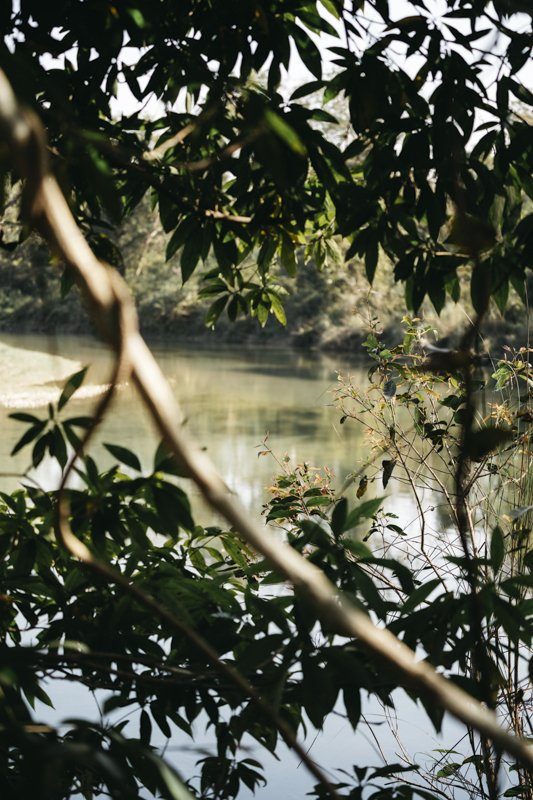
<point>232,398</point>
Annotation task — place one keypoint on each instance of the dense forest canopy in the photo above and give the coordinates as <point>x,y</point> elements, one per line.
<point>108,581</point>
<point>433,168</point>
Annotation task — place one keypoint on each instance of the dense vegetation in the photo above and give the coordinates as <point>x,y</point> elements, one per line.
<point>184,626</point>
<point>323,308</point>
<point>426,157</point>
<point>327,307</point>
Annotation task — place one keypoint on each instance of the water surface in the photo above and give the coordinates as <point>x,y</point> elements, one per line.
<point>231,398</point>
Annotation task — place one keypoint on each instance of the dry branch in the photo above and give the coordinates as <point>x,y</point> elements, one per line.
<point>102,288</point>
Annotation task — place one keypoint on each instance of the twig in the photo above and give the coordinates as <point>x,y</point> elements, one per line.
<point>160,149</point>
<point>215,214</point>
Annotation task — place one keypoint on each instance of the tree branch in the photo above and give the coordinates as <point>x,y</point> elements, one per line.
<point>104,289</point>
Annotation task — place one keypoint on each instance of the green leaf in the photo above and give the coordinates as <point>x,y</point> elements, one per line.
<point>322,500</point>
<point>159,715</point>
<point>31,434</point>
<point>319,691</point>
<point>266,254</point>
<point>352,704</point>
<point>22,417</point>
<point>58,448</point>
<point>79,422</point>
<point>190,256</point>
<point>285,132</point>
<point>39,448</point>
<point>357,548</point>
<point>164,461</point>
<point>419,595</point>
<point>173,507</point>
<point>287,255</point>
<point>234,549</point>
<point>124,456</point>
<point>187,228</point>
<point>307,89</point>
<point>262,314</point>
<point>72,384</point>
<point>277,309</point>
<point>308,52</point>
<point>448,770</point>
<point>402,572</point>
<point>521,92</point>
<point>364,510</point>
<point>437,292</point>
<point>41,695</point>
<point>339,515</point>
<point>497,549</point>
<point>145,725</point>
<point>330,6</point>
<point>371,259</point>
<point>215,310</point>
<point>388,468</point>
<point>453,401</point>
<point>137,17</point>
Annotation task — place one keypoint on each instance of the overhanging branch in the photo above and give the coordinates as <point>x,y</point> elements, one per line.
<point>103,289</point>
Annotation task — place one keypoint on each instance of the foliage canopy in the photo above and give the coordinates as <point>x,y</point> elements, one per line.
<point>433,168</point>
<point>59,622</point>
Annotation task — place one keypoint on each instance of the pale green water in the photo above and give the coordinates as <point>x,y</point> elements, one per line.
<point>231,398</point>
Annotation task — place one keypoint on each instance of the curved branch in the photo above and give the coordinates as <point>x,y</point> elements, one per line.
<point>50,214</point>
<point>126,329</point>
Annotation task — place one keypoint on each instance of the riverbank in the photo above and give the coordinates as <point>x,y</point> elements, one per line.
<point>328,310</point>
<point>339,326</point>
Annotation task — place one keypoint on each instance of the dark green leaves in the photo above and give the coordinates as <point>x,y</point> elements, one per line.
<point>343,520</point>
<point>363,511</point>
<point>73,383</point>
<point>190,257</point>
<point>497,549</point>
<point>480,443</point>
<point>285,132</point>
<point>338,517</point>
<point>125,456</point>
<point>388,468</point>
<point>251,177</point>
<point>352,704</point>
<point>287,255</point>
<point>420,594</point>
<point>35,429</point>
<point>187,229</point>
<point>319,691</point>
<point>413,179</point>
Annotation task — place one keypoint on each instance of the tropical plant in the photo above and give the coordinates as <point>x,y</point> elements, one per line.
<point>58,623</point>
<point>414,420</point>
<point>108,581</point>
<point>433,169</point>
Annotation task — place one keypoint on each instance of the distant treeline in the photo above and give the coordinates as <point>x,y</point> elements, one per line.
<point>327,308</point>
